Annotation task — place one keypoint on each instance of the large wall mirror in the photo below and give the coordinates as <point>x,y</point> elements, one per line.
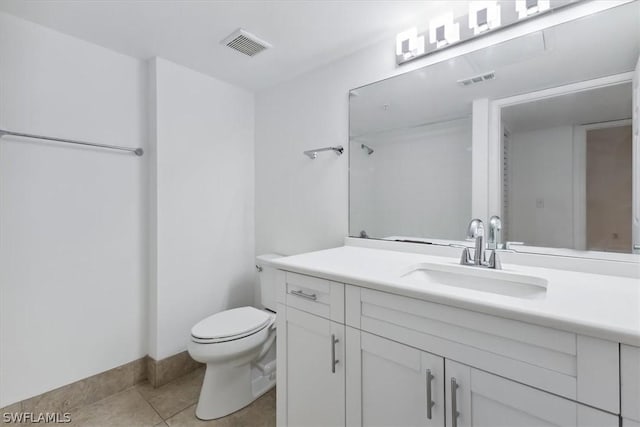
<point>567,170</point>
<point>537,129</point>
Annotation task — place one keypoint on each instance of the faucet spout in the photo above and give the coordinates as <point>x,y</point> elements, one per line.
<point>476,231</point>
<point>495,233</point>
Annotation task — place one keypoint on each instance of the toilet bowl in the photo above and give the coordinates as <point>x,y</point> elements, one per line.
<point>238,349</point>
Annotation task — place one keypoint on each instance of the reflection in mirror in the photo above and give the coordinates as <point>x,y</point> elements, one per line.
<point>398,174</point>
<point>414,158</point>
<point>568,170</point>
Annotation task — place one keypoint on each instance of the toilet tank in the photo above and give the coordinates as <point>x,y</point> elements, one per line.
<point>267,280</point>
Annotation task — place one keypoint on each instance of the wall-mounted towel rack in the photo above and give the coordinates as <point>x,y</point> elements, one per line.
<point>312,154</point>
<point>136,151</point>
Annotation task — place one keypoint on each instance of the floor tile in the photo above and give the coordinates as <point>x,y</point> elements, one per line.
<point>127,408</point>
<point>11,409</point>
<point>261,413</point>
<point>175,396</point>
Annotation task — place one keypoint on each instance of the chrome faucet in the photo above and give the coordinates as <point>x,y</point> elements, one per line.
<point>495,233</point>
<point>476,231</point>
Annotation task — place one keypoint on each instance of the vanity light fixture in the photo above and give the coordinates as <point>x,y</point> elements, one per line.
<point>483,16</point>
<point>444,31</point>
<point>526,8</point>
<point>409,45</point>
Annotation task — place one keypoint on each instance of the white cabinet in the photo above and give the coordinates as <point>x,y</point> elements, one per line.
<point>390,384</point>
<point>570,365</point>
<point>477,398</point>
<point>630,383</point>
<point>312,378</point>
<point>402,361</point>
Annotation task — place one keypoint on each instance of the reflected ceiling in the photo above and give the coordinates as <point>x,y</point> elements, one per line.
<point>557,55</point>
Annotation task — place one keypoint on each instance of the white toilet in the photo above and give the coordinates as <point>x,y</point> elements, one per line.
<point>238,346</point>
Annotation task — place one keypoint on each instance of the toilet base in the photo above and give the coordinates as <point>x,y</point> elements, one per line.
<point>227,389</point>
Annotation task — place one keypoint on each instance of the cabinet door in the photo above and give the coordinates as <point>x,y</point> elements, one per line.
<point>315,370</point>
<point>477,398</point>
<point>630,382</point>
<point>398,385</point>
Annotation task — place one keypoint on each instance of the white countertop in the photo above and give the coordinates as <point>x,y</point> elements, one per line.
<point>601,306</point>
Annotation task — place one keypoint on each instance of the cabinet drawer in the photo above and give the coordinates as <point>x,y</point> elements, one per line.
<point>576,367</point>
<point>321,297</point>
<point>630,382</point>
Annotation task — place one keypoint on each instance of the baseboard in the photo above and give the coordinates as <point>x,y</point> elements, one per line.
<point>85,391</point>
<point>160,372</point>
<point>97,387</point>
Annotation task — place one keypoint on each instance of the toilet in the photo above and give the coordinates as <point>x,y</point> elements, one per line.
<point>238,347</point>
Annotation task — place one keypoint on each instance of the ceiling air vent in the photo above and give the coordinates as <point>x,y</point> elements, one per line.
<point>477,79</point>
<point>245,42</point>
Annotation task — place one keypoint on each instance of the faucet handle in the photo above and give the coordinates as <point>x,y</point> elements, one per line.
<point>465,258</point>
<point>494,261</point>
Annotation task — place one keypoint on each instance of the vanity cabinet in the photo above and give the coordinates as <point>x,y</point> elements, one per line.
<point>349,355</point>
<point>315,370</point>
<point>391,384</point>
<point>311,352</point>
<point>477,398</point>
<point>630,385</point>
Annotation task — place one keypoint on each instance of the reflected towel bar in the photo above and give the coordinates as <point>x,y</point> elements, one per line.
<point>312,154</point>
<point>136,151</point>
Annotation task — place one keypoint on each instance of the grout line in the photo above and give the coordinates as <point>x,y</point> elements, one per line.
<point>149,403</point>
<point>183,409</point>
<point>191,405</point>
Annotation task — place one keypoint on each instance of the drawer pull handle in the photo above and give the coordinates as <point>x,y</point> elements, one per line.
<point>430,402</point>
<point>454,403</point>
<point>312,297</point>
<point>334,361</point>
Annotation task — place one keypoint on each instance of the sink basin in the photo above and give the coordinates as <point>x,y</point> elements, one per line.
<point>478,279</point>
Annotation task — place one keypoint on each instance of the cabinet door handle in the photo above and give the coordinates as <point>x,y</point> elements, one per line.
<point>334,361</point>
<point>312,297</point>
<point>454,403</point>
<point>430,402</point>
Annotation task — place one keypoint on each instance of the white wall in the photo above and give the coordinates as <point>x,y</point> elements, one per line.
<point>302,204</point>
<point>72,261</point>
<point>416,182</point>
<point>540,211</point>
<point>202,202</point>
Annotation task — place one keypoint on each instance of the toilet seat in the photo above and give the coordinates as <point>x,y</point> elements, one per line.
<point>231,325</point>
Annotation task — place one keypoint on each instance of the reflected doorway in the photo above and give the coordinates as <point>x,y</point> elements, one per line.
<point>609,190</point>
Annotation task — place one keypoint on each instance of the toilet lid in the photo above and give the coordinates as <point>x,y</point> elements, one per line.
<point>231,323</point>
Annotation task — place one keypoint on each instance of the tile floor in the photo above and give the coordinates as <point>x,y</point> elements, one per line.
<point>173,404</point>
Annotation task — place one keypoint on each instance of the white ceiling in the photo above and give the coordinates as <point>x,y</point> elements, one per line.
<point>304,34</point>
<point>593,106</point>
